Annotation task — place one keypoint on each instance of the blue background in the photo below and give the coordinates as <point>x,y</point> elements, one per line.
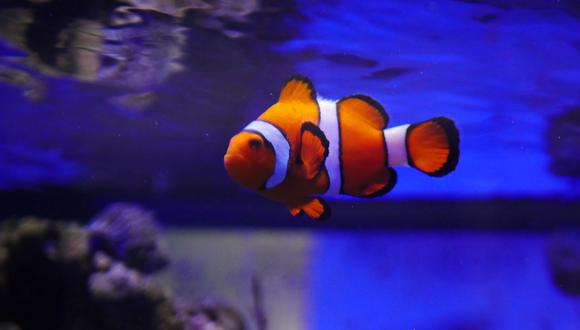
<point>501,70</point>
<point>154,130</point>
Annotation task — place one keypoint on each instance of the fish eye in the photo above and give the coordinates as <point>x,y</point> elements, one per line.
<point>255,143</point>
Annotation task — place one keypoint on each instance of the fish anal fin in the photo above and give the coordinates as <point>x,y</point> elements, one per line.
<point>298,89</point>
<point>383,183</point>
<point>313,149</point>
<point>316,208</point>
<point>295,211</point>
<point>364,108</point>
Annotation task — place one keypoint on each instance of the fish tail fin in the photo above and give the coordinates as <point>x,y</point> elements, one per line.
<point>433,146</point>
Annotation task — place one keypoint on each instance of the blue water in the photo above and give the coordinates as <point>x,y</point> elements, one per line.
<point>142,110</point>
<point>499,80</point>
<point>436,281</point>
<point>443,280</point>
<point>499,70</point>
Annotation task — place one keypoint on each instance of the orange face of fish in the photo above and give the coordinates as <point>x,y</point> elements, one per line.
<point>249,160</point>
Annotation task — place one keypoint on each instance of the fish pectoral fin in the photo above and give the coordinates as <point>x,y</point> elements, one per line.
<point>365,109</point>
<point>298,89</point>
<point>315,208</point>
<point>382,184</point>
<point>313,149</point>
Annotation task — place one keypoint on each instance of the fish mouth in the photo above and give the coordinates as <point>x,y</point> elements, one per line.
<point>236,166</point>
<point>232,158</point>
<point>239,168</point>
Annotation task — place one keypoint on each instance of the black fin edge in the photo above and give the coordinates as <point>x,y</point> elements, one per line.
<point>372,102</point>
<point>452,134</point>
<point>327,210</point>
<point>305,80</point>
<point>312,128</point>
<point>393,178</point>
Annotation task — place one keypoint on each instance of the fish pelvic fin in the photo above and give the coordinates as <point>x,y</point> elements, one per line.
<point>315,208</point>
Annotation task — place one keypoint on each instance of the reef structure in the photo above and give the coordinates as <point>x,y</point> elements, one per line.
<point>128,47</point>
<point>61,275</point>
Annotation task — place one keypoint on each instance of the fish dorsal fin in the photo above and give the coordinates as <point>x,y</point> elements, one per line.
<point>364,108</point>
<point>298,89</point>
<point>313,149</point>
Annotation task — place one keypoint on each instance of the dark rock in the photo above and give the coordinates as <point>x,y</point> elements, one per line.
<point>498,4</point>
<point>9,326</point>
<point>351,60</point>
<point>564,258</point>
<point>32,87</point>
<point>389,73</point>
<point>271,20</point>
<point>563,143</point>
<point>571,7</point>
<point>43,267</point>
<point>486,18</point>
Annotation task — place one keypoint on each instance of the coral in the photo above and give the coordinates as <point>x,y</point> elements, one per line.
<point>175,8</point>
<point>129,233</point>
<point>128,297</point>
<point>58,275</point>
<point>119,281</point>
<point>211,316</point>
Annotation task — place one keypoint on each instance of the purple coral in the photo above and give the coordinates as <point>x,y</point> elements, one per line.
<point>128,233</point>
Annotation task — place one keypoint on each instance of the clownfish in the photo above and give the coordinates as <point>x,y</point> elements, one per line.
<point>304,148</point>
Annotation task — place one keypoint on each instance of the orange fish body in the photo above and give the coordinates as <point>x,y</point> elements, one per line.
<point>303,148</point>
